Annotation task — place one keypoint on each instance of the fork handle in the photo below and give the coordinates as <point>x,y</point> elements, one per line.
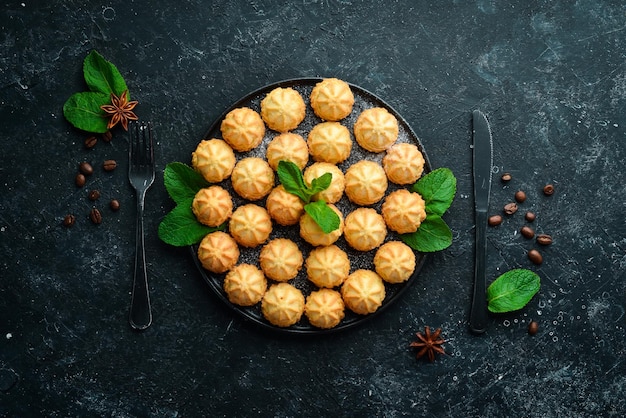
<point>140,311</point>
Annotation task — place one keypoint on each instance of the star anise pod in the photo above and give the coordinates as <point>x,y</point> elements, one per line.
<point>428,343</point>
<point>120,110</point>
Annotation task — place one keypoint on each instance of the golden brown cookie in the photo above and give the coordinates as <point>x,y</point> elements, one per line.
<point>324,308</point>
<point>245,285</point>
<point>311,232</point>
<point>376,129</point>
<point>366,182</point>
<point>332,99</point>
<point>283,109</point>
<point>327,266</point>
<point>214,159</point>
<point>212,205</point>
<point>363,291</point>
<point>242,129</point>
<point>337,185</point>
<point>403,211</point>
<point>290,147</point>
<point>403,163</point>
<point>329,142</point>
<point>218,252</point>
<point>394,262</point>
<point>283,304</point>
<point>285,208</point>
<point>252,178</point>
<point>281,259</point>
<point>250,225</point>
<point>364,229</point>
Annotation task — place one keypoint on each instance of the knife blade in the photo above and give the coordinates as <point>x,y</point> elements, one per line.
<point>482,165</point>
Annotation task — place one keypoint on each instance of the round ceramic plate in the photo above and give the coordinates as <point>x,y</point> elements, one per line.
<point>363,99</point>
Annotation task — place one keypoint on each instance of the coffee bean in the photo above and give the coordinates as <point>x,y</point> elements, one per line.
<point>533,327</point>
<point>535,256</point>
<point>80,180</point>
<point>506,177</point>
<point>114,205</point>
<point>91,142</point>
<point>106,137</point>
<point>548,190</point>
<point>510,208</point>
<point>85,168</point>
<point>94,195</point>
<point>527,232</point>
<point>69,220</point>
<point>530,216</point>
<point>520,196</point>
<point>109,165</point>
<point>544,239</point>
<point>494,220</point>
<point>95,216</point>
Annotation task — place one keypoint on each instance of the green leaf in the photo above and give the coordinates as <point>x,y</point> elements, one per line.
<point>321,183</point>
<point>512,290</point>
<point>83,111</point>
<point>291,178</point>
<point>102,76</point>
<point>437,188</point>
<point>182,182</point>
<point>432,235</point>
<point>180,227</point>
<point>323,215</point>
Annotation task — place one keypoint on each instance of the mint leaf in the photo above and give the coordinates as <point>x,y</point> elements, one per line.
<point>180,227</point>
<point>182,182</point>
<point>321,183</point>
<point>323,215</point>
<point>83,111</point>
<point>291,178</point>
<point>512,290</point>
<point>102,76</point>
<point>432,235</point>
<point>437,188</point>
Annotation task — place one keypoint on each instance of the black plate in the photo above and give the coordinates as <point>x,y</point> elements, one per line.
<point>363,99</point>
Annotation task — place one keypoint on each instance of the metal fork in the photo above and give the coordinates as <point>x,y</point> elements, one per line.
<point>141,176</point>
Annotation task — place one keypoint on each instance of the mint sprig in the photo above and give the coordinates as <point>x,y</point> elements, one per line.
<point>512,290</point>
<point>180,227</point>
<point>438,189</point>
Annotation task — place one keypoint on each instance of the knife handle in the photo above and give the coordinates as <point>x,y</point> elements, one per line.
<point>478,313</point>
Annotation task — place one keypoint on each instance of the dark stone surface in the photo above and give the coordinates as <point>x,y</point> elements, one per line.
<point>549,75</point>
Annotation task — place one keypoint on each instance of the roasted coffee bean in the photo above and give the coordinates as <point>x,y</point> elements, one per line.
<point>548,190</point>
<point>85,168</point>
<point>530,216</point>
<point>95,216</point>
<point>544,239</point>
<point>510,208</point>
<point>69,220</point>
<point>494,220</point>
<point>506,177</point>
<point>535,256</point>
<point>106,137</point>
<point>109,165</point>
<point>80,180</point>
<point>527,232</point>
<point>533,327</point>
<point>94,195</point>
<point>520,196</point>
<point>91,142</point>
<point>114,204</point>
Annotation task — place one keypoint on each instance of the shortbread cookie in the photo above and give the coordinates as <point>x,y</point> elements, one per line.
<point>363,292</point>
<point>242,129</point>
<point>311,232</point>
<point>283,304</point>
<point>252,178</point>
<point>289,147</point>
<point>337,185</point>
<point>332,99</point>
<point>394,262</point>
<point>376,129</point>
<point>366,182</point>
<point>218,252</point>
<point>324,308</point>
<point>245,285</point>
<point>329,142</point>
<point>283,207</point>
<point>283,109</point>
<point>403,163</point>
<point>250,225</point>
<point>364,229</point>
<point>403,211</point>
<point>327,266</point>
<point>281,259</point>
<point>214,159</point>
<point>212,205</point>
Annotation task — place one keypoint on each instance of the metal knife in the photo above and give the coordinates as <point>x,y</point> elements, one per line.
<point>482,163</point>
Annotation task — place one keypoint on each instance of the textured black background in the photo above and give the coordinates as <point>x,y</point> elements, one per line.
<point>550,75</point>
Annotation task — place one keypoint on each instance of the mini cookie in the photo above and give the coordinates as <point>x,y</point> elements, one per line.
<point>403,163</point>
<point>218,252</point>
<point>242,129</point>
<point>324,308</point>
<point>366,182</point>
<point>250,225</point>
<point>252,178</point>
<point>364,229</point>
<point>403,211</point>
<point>245,285</point>
<point>311,232</point>
<point>329,142</point>
<point>280,259</point>
<point>282,305</point>
<point>214,159</point>
<point>290,147</point>
<point>283,207</point>
<point>332,99</point>
<point>327,266</point>
<point>337,185</point>
<point>376,129</point>
<point>363,291</point>
<point>212,205</point>
<point>283,109</point>
<point>394,262</point>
